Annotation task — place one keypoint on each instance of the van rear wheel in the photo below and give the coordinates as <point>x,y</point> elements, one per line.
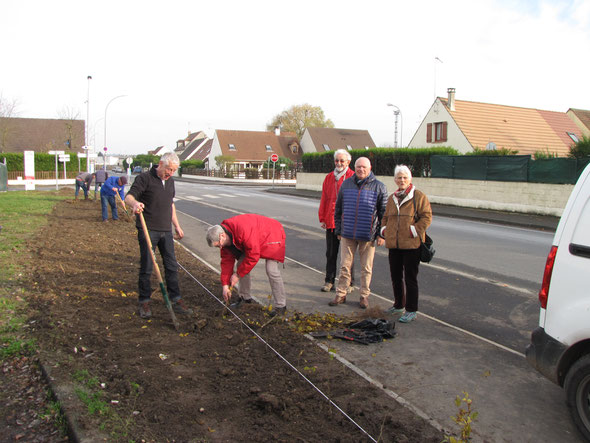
<point>577,389</point>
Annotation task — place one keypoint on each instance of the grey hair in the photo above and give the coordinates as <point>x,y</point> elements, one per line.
<point>213,234</point>
<point>170,157</point>
<point>343,152</point>
<point>404,169</point>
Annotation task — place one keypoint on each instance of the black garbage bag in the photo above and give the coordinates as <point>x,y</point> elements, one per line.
<point>367,331</point>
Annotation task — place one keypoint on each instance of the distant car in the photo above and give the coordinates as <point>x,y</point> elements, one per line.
<point>117,169</point>
<point>137,170</point>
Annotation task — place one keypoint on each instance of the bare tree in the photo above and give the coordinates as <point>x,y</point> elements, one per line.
<point>69,114</point>
<point>8,109</point>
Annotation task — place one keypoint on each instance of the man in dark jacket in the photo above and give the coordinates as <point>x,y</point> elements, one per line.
<point>247,238</point>
<point>153,193</point>
<point>359,209</point>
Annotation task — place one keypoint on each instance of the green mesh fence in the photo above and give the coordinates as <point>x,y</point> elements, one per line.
<point>517,168</point>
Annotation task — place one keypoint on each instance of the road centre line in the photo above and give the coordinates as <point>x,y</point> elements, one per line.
<point>441,322</point>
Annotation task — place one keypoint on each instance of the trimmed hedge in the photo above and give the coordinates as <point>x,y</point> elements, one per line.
<point>43,162</point>
<point>383,160</point>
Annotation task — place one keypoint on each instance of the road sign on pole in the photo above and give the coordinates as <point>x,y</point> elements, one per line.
<point>274,158</point>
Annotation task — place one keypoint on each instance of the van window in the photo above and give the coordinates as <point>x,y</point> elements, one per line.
<point>581,234</point>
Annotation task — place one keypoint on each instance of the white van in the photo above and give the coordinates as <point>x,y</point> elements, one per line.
<point>560,346</point>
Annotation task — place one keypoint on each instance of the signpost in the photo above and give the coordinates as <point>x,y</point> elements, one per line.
<point>64,158</point>
<point>129,161</point>
<point>56,153</point>
<point>274,159</point>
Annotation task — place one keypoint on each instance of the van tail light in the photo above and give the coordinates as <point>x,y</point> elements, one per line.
<point>544,292</point>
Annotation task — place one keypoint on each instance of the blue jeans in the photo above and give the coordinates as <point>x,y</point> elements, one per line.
<point>165,243</point>
<point>111,200</point>
<point>81,184</point>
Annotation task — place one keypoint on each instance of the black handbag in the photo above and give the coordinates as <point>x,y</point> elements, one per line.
<point>427,246</point>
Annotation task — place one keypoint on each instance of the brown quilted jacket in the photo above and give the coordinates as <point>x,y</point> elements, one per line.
<point>397,223</point>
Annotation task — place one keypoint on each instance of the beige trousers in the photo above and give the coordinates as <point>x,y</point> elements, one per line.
<point>366,250</point>
<point>276,284</point>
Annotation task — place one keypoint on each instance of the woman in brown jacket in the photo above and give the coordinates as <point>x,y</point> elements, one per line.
<point>407,215</point>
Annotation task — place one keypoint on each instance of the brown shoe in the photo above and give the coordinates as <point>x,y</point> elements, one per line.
<point>180,308</point>
<point>364,302</point>
<point>327,287</point>
<point>337,301</point>
<point>145,310</point>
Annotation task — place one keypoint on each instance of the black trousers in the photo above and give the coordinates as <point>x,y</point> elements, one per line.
<point>164,241</point>
<point>332,247</point>
<point>403,267</point>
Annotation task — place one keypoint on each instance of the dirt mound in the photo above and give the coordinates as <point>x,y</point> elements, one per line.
<point>214,380</point>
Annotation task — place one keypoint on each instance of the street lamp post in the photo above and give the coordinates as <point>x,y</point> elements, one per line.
<point>397,112</point>
<point>105,125</point>
<point>88,121</point>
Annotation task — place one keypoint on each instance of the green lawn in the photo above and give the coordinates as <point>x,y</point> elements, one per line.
<point>22,214</point>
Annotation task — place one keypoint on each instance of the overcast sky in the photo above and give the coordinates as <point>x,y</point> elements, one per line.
<point>225,64</point>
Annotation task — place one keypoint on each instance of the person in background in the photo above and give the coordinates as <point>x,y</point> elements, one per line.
<point>407,216</point>
<point>359,209</point>
<point>152,193</point>
<point>83,180</point>
<point>100,177</point>
<point>332,183</point>
<point>108,196</point>
<point>247,238</point>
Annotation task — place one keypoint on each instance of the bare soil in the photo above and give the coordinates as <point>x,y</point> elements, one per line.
<point>213,380</point>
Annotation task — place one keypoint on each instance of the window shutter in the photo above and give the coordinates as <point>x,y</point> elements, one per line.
<point>444,132</point>
<point>429,133</point>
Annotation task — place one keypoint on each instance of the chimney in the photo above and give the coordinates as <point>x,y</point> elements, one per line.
<point>277,130</point>
<point>451,92</point>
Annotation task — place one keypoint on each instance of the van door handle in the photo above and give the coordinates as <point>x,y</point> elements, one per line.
<point>582,251</point>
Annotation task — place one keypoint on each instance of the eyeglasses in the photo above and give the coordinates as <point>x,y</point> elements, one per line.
<point>340,161</point>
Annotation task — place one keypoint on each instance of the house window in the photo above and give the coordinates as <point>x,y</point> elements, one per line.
<point>349,147</point>
<point>231,147</point>
<point>268,147</point>
<point>294,149</point>
<point>326,147</point>
<point>436,134</point>
<point>574,137</point>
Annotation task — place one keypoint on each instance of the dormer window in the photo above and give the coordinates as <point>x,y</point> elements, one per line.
<point>294,149</point>
<point>231,147</point>
<point>349,147</point>
<point>574,137</point>
<point>326,147</point>
<point>268,148</point>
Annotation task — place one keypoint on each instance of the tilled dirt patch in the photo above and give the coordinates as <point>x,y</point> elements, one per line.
<point>213,380</point>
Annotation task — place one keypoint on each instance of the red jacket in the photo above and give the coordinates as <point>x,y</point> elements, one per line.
<point>256,237</point>
<point>330,190</point>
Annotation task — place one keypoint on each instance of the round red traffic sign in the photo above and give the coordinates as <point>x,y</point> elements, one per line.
<point>274,158</point>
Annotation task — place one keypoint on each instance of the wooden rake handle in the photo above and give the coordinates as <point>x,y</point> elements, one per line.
<point>157,268</point>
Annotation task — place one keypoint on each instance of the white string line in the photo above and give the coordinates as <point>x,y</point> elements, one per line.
<point>278,354</point>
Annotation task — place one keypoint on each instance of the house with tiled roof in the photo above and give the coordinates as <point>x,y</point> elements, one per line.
<point>251,149</point>
<point>160,150</point>
<point>197,149</point>
<point>581,118</point>
<point>331,139</point>
<point>182,144</point>
<point>40,134</point>
<point>466,125</point>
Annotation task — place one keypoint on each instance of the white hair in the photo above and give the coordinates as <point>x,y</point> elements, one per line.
<point>170,157</point>
<point>343,152</point>
<point>213,234</point>
<point>404,169</point>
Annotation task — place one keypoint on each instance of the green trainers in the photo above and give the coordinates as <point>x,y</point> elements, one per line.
<point>394,310</point>
<point>408,317</point>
